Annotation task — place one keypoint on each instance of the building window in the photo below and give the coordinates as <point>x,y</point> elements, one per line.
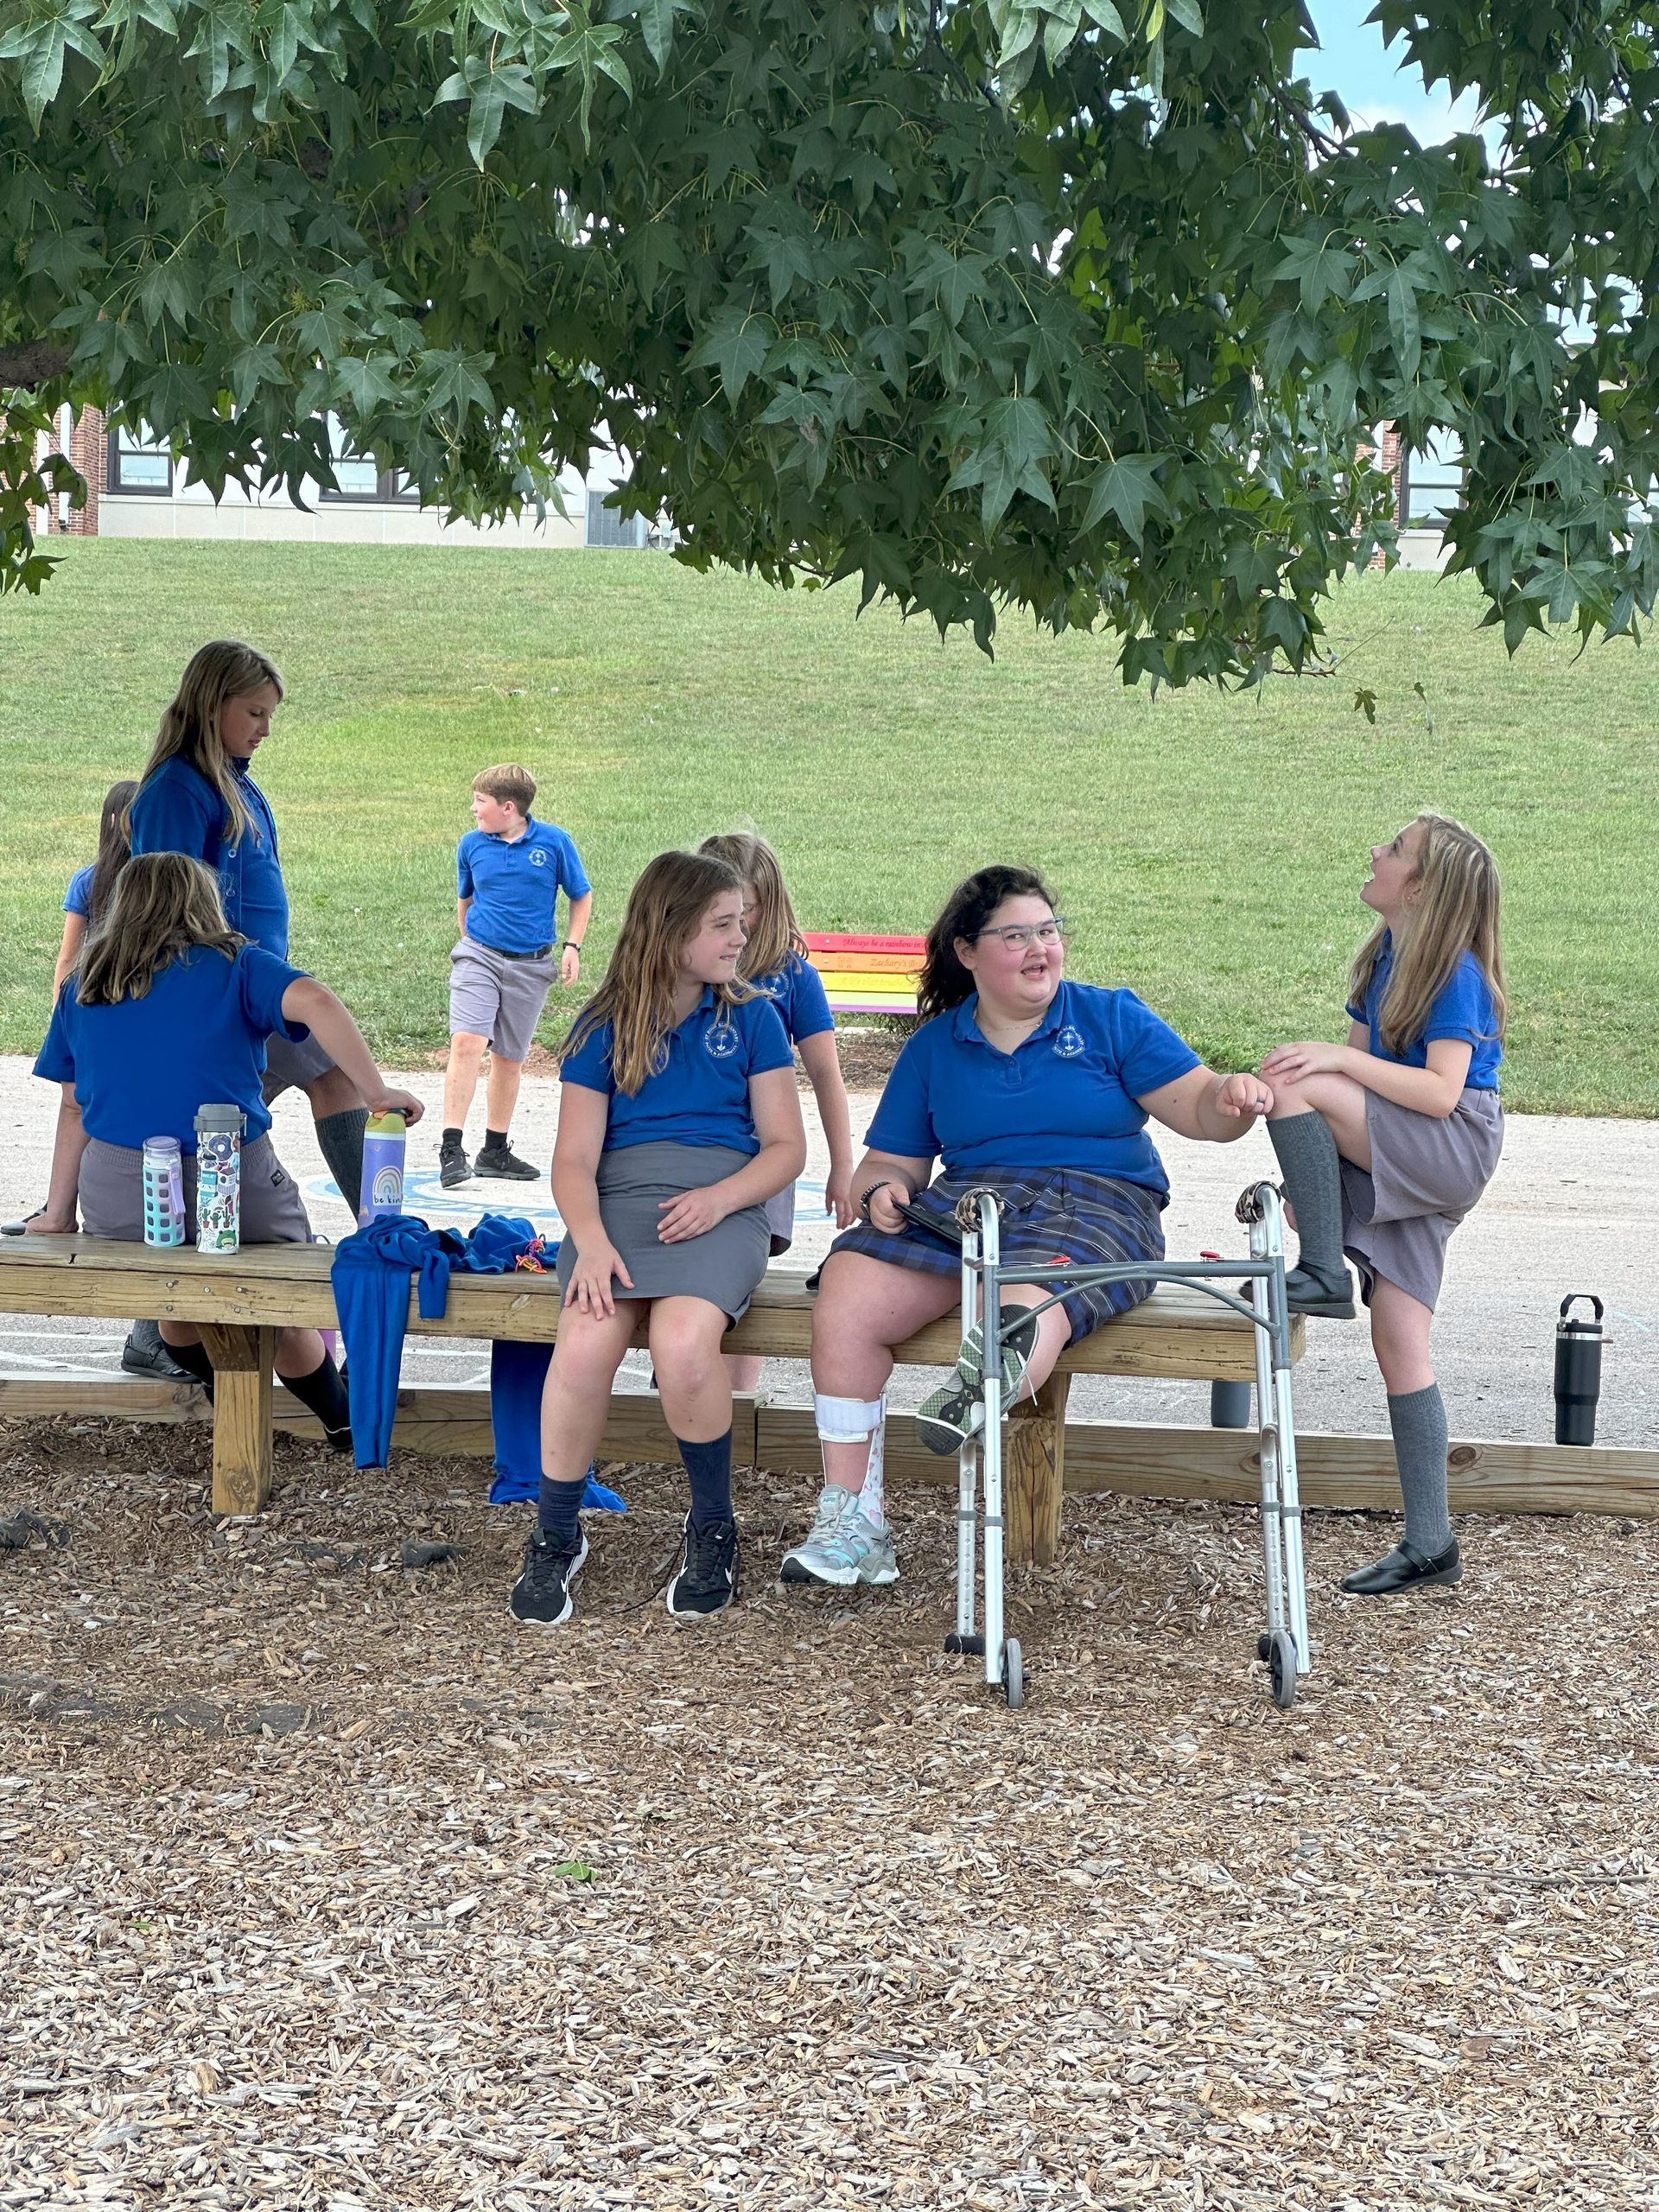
<point>1431,482</point>
<point>139,465</point>
<point>609,527</point>
<point>356,479</point>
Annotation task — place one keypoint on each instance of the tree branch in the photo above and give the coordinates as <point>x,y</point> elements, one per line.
<point>36,361</point>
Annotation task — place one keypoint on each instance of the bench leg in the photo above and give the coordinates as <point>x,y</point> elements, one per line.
<point>242,1430</point>
<point>1033,1463</point>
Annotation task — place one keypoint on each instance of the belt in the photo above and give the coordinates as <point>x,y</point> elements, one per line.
<point>540,952</point>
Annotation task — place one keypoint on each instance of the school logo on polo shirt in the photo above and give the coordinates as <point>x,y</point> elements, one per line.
<point>537,857</point>
<point>1067,1043</point>
<point>721,1041</point>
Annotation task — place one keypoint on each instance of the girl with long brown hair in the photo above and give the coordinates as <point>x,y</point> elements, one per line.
<point>197,796</point>
<point>678,1119</point>
<point>1388,1141</point>
<point>168,1011</point>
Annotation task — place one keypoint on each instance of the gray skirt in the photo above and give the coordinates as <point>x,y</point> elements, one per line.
<point>1426,1174</point>
<point>111,1193</point>
<point>723,1265</point>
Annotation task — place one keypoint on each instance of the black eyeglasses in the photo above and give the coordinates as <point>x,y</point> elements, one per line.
<point>1019,936</point>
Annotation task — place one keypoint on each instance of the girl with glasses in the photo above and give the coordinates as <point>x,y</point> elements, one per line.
<point>1034,1087</point>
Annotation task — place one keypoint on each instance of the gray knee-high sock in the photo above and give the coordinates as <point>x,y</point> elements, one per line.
<point>1418,1420</point>
<point>1306,1151</point>
<point>340,1137</point>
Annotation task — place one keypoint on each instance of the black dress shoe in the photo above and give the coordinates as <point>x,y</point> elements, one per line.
<point>145,1353</point>
<point>1405,1568</point>
<point>1330,1297</point>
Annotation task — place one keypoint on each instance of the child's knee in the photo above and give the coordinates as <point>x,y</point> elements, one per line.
<point>466,1045</point>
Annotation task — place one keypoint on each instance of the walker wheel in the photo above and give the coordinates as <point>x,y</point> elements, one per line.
<point>1264,1649</point>
<point>1281,1669</point>
<point>1014,1675</point>
<point>976,1645</point>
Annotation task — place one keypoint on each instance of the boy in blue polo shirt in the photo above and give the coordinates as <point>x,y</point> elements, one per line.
<point>509,872</point>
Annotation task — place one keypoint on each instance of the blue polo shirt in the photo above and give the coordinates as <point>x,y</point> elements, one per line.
<point>514,884</point>
<point>178,811</point>
<point>196,1038</point>
<point>1064,1099</point>
<point>78,899</point>
<point>1461,1009</point>
<point>796,991</point>
<point>700,1093</point>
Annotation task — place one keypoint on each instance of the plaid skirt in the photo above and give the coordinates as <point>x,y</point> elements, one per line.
<point>1067,1219</point>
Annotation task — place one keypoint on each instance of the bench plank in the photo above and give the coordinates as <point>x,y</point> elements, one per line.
<point>1178,1333</point>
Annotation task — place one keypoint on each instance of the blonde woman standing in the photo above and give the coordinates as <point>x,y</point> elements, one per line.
<point>197,796</point>
<point>1387,1141</point>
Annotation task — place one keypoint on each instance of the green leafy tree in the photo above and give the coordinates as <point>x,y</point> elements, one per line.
<point>1083,306</point>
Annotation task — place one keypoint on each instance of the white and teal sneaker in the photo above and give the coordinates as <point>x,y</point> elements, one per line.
<point>843,1548</point>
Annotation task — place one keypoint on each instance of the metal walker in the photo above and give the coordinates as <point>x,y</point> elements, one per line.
<point>1284,1645</point>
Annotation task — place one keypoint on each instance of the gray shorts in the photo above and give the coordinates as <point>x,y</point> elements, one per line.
<point>113,1195</point>
<point>492,996</point>
<point>1426,1174</point>
<point>290,1067</point>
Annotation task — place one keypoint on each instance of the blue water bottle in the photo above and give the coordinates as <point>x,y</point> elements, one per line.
<point>383,1140</point>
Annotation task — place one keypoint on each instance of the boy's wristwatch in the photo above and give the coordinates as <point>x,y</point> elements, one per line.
<point>573,944</point>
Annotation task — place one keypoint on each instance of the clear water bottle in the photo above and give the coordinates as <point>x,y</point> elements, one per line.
<point>385,1138</point>
<point>163,1192</point>
<point>219,1177</point>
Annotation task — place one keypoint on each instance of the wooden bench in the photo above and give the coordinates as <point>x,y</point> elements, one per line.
<point>240,1299</point>
<point>867,974</point>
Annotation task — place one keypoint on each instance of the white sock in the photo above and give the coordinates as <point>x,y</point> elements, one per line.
<point>849,1420</point>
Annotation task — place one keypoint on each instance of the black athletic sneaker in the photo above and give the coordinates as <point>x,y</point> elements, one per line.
<point>544,1591</point>
<point>453,1167</point>
<point>505,1163</point>
<point>706,1580</point>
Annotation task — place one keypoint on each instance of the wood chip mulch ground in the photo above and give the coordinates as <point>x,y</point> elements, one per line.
<point>328,1886</point>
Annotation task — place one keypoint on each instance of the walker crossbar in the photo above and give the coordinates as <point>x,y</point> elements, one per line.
<point>1284,1645</point>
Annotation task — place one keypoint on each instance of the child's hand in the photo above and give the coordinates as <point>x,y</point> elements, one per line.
<point>1243,1094</point>
<point>569,965</point>
<point>389,1101</point>
<point>884,1214</point>
<point>589,1288</point>
<point>838,1196</point>
<point>692,1214</point>
<point>1291,1062</point>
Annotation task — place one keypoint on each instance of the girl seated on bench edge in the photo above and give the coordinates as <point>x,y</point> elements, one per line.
<point>1040,1089</point>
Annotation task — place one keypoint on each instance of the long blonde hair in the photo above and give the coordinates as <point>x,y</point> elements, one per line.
<point>1456,912</point>
<point>226,669</point>
<point>776,933</point>
<point>665,907</point>
<point>163,905</point>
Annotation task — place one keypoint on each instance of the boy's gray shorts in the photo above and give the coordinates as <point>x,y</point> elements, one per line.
<point>492,996</point>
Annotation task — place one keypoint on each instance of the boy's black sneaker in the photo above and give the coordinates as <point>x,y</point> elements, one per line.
<point>706,1580</point>
<point>453,1167</point>
<point>545,1590</point>
<point>504,1161</point>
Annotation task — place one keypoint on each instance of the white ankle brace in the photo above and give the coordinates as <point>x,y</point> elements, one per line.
<point>847,1420</point>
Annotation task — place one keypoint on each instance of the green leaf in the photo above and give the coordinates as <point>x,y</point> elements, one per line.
<point>573,1870</point>
<point>737,345</point>
<point>1403,322</point>
<point>1103,13</point>
<point>1126,487</point>
<point>1366,703</point>
<point>1188,15</point>
<point>490,92</point>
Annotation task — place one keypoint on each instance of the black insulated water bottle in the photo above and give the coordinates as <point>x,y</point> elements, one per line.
<point>1578,1372</point>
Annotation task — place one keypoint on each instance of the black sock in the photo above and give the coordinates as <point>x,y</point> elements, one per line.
<point>557,1507</point>
<point>708,1469</point>
<point>495,1139</point>
<point>194,1357</point>
<point>323,1393</point>
<point>452,1140</point>
<point>341,1138</point>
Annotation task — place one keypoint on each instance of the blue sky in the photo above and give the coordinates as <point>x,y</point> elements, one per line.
<point>1374,82</point>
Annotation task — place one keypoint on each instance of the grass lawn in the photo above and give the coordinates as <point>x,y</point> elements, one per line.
<point>1209,849</point>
